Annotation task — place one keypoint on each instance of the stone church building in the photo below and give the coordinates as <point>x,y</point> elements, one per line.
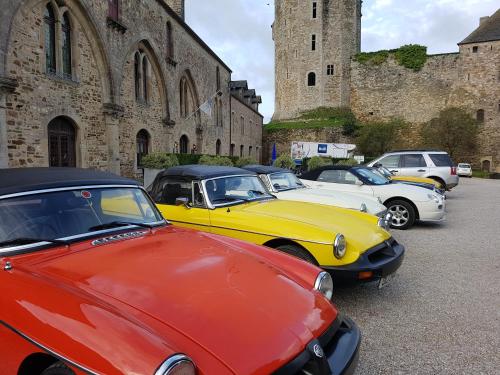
<point>101,83</point>
<point>315,46</point>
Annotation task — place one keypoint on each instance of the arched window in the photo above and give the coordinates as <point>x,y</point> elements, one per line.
<point>183,97</point>
<point>217,73</point>
<point>480,116</point>
<point>142,143</point>
<point>184,145</point>
<point>66,46</point>
<point>311,79</point>
<point>221,123</point>
<point>62,143</point>
<point>113,9</point>
<point>170,41</point>
<point>145,79</point>
<point>137,75</point>
<point>249,150</point>
<point>50,40</point>
<point>217,147</point>
<point>241,150</point>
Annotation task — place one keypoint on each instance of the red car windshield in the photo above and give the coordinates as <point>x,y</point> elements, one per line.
<point>64,214</point>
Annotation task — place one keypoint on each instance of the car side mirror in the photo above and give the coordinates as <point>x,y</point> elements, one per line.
<point>359,182</point>
<point>181,201</point>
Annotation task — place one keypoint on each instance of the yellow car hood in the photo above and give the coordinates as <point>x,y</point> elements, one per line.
<point>315,222</point>
<point>423,180</point>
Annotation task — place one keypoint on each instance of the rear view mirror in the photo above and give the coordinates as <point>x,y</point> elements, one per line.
<point>182,202</point>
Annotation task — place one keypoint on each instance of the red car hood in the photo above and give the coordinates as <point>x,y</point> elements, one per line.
<point>243,310</point>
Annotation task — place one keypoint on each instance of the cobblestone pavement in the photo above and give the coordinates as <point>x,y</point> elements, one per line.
<point>441,313</point>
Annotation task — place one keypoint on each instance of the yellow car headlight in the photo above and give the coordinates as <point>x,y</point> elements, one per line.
<point>339,246</point>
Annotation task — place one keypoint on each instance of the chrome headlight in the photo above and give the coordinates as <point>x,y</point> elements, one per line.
<point>363,208</point>
<point>433,197</point>
<point>339,246</point>
<point>178,364</point>
<point>324,284</point>
<point>385,221</point>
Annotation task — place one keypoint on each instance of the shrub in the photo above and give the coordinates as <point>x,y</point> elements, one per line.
<point>241,162</point>
<point>284,161</point>
<point>411,56</point>
<point>159,160</point>
<point>348,162</point>
<point>215,160</point>
<point>316,162</point>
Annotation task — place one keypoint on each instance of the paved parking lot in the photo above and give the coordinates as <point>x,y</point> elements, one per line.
<point>441,314</point>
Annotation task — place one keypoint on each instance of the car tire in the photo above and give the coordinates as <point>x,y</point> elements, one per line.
<point>58,368</point>
<point>403,213</point>
<point>297,252</point>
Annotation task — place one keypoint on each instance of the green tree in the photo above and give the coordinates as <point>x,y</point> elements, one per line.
<point>454,131</point>
<point>377,138</point>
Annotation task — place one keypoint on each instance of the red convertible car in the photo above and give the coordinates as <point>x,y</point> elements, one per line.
<point>93,280</point>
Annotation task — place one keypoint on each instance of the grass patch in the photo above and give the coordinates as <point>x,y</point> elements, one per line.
<point>322,117</point>
<point>480,174</point>
<point>411,56</point>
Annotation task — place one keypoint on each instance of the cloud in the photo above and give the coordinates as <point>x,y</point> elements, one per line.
<point>239,31</point>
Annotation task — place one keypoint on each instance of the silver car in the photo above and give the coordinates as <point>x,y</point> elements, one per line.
<point>421,163</point>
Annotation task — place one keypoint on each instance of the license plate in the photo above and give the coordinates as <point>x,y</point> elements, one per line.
<point>384,281</point>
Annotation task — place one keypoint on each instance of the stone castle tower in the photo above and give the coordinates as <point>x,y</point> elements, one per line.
<point>314,43</point>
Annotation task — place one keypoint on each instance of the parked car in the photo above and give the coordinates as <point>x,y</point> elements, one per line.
<point>426,183</point>
<point>464,170</point>
<point>352,245</point>
<point>406,203</point>
<point>284,184</point>
<point>421,163</point>
<point>95,281</point>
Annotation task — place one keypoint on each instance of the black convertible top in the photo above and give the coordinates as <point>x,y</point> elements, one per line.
<point>202,172</point>
<point>264,169</point>
<point>18,180</point>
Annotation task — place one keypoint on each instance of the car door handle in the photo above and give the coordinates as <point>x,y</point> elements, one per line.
<point>394,171</point>
<point>421,170</point>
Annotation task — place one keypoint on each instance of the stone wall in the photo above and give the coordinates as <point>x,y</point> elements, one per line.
<point>99,99</point>
<point>284,138</point>
<point>389,90</point>
<point>246,132</point>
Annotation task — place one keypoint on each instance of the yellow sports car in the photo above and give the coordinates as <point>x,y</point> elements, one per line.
<point>427,183</point>
<point>234,202</point>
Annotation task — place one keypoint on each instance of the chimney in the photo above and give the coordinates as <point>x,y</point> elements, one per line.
<point>483,20</point>
<point>177,6</point>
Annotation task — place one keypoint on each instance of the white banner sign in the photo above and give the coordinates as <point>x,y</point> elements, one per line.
<point>301,150</point>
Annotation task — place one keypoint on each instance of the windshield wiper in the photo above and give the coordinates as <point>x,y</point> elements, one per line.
<point>26,241</point>
<point>117,224</point>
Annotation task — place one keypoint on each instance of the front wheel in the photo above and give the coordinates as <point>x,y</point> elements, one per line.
<point>403,214</point>
<point>297,252</point>
<point>58,368</point>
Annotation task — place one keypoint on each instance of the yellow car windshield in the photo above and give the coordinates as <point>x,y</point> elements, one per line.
<point>235,189</point>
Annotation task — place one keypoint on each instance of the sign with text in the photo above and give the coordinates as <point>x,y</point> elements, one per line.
<point>301,150</point>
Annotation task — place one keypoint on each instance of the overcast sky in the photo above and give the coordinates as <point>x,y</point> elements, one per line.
<point>239,31</point>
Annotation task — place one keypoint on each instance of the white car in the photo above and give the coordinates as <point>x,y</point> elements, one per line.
<point>406,203</point>
<point>285,185</point>
<point>433,164</point>
<point>464,170</point>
